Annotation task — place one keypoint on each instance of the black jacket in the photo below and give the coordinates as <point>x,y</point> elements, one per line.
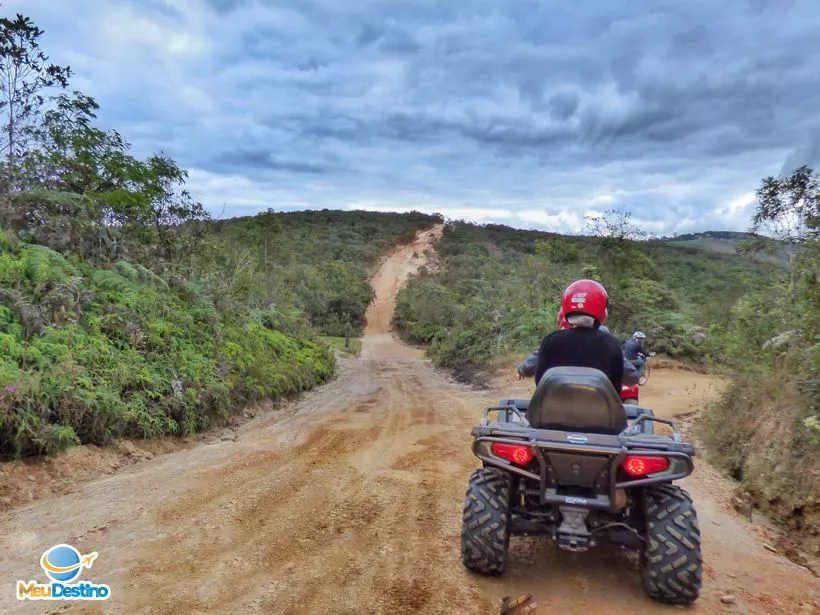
<point>581,347</point>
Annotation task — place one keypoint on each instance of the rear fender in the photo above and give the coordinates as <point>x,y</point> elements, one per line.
<point>630,392</point>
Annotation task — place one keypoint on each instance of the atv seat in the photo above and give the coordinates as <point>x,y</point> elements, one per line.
<point>580,399</point>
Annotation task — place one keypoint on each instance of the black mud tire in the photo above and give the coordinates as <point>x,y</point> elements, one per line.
<point>485,529</point>
<point>671,561</point>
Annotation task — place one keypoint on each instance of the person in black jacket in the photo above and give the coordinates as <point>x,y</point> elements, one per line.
<point>584,304</point>
<point>631,375</point>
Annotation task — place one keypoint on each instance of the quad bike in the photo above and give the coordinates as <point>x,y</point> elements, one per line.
<point>575,464</point>
<point>630,394</point>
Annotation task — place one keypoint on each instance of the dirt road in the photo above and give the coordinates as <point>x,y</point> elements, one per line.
<point>351,503</point>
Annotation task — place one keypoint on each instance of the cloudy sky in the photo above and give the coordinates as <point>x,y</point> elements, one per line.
<point>532,113</point>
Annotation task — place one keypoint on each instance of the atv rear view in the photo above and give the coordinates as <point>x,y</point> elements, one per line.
<point>573,463</point>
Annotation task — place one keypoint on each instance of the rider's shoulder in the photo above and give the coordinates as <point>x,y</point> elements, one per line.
<point>609,339</point>
<point>552,337</point>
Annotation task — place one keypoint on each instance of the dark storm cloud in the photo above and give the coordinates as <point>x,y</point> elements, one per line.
<point>261,159</point>
<point>672,109</point>
<point>807,153</point>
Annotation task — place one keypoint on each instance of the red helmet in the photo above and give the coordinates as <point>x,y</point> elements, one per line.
<point>586,297</point>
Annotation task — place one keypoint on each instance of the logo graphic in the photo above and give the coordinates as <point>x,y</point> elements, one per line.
<point>63,565</point>
<point>578,299</point>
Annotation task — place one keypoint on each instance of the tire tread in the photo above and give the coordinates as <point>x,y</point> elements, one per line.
<point>671,562</point>
<point>485,535</point>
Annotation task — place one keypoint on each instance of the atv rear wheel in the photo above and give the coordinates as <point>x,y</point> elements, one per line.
<point>485,529</point>
<point>671,563</point>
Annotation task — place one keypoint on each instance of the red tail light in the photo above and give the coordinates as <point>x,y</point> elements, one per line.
<point>635,465</point>
<point>519,455</point>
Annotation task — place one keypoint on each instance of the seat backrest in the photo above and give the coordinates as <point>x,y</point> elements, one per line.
<point>578,399</point>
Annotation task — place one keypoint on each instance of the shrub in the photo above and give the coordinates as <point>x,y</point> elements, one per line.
<point>125,355</point>
<point>498,291</point>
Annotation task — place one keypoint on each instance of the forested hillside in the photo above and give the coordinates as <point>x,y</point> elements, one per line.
<point>316,262</point>
<point>498,292</point>
<point>727,242</point>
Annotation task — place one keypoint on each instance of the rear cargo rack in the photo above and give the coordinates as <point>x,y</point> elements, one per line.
<point>485,420</point>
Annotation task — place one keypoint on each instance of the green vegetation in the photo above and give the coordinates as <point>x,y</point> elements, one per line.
<point>765,430</point>
<point>758,247</point>
<point>98,348</point>
<point>317,261</point>
<point>91,353</point>
<point>498,292</point>
<point>124,310</point>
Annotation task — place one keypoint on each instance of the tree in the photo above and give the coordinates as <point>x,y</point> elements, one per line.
<point>789,207</point>
<point>264,231</point>
<point>87,185</point>
<point>620,258</point>
<point>557,250</point>
<point>153,204</point>
<point>73,154</point>
<point>614,226</point>
<point>755,245</point>
<point>25,76</point>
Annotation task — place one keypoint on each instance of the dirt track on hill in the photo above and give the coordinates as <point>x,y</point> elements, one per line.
<point>350,502</point>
